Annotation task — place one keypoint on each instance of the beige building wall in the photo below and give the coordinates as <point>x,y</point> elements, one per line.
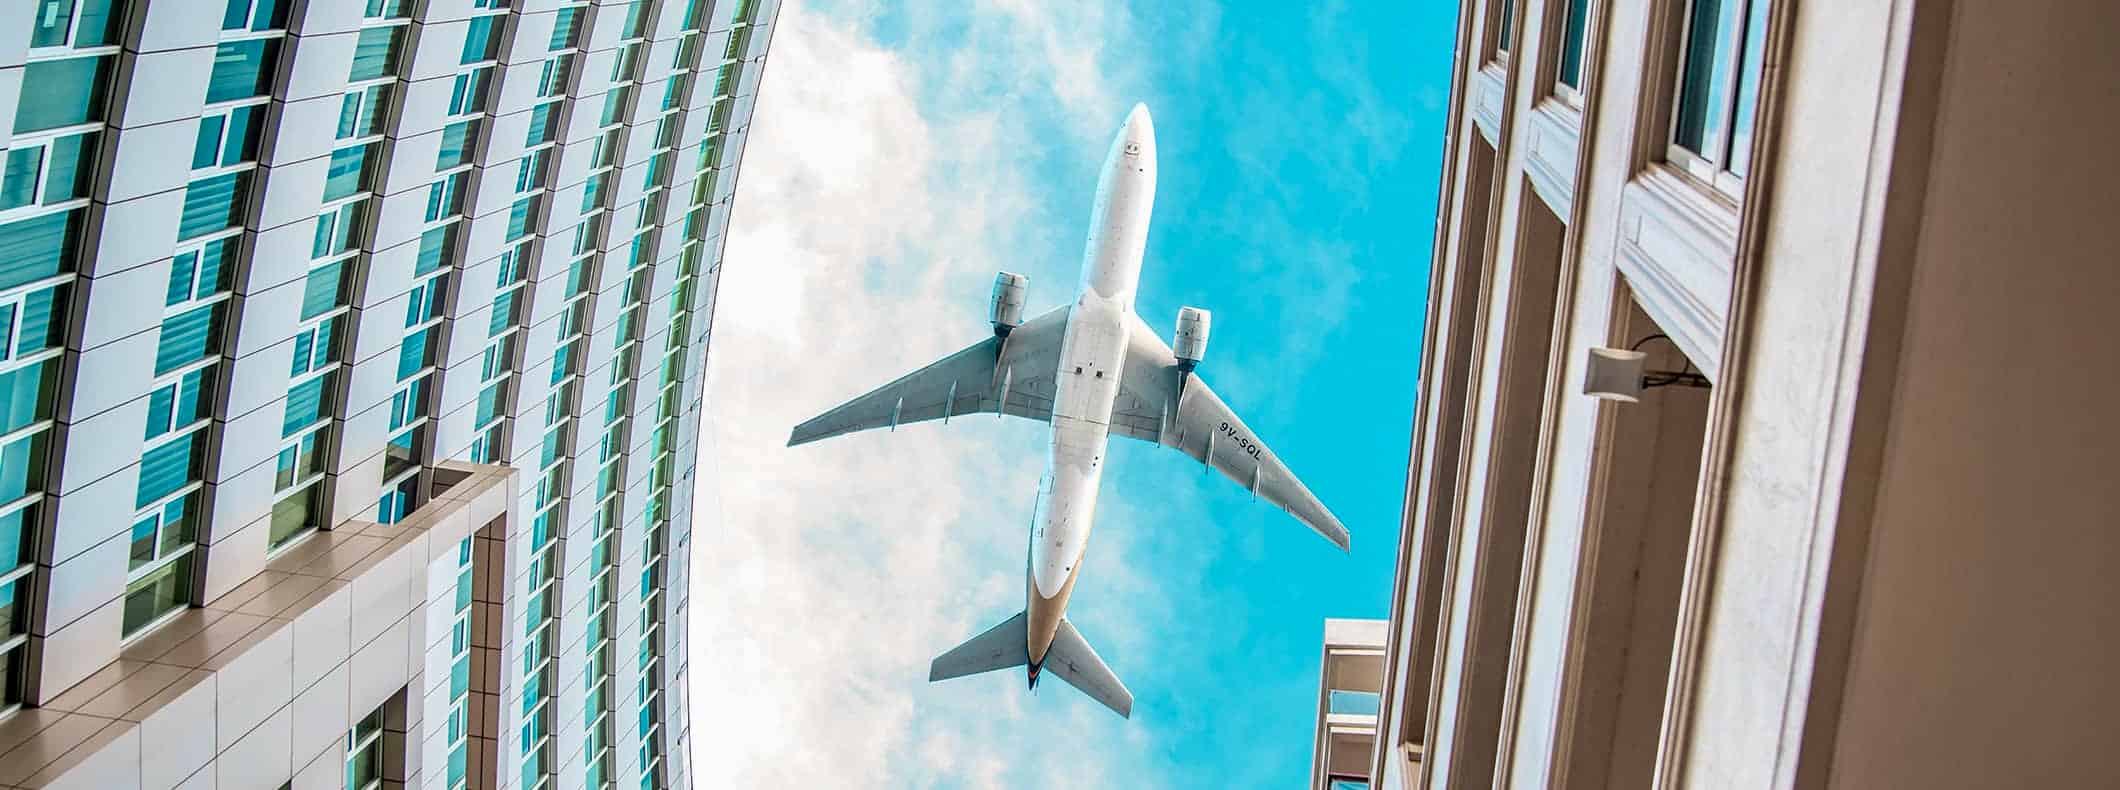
<point>1876,553</point>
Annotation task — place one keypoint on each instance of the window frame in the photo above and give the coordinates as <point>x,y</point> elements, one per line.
<point>1712,173</point>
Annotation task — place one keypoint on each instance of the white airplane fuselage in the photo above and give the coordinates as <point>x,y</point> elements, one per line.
<point>1091,357</point>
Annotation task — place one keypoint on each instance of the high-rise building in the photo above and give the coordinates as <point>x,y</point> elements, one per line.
<point>351,354</point>
<point>1765,433</point>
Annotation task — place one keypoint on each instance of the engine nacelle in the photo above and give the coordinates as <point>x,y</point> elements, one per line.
<point>1189,342</point>
<point>1005,309</point>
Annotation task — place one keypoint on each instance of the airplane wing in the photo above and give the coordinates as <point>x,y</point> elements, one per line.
<point>1160,403</point>
<point>1012,375</point>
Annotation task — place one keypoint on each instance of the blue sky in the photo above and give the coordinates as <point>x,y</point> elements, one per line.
<point>901,156</point>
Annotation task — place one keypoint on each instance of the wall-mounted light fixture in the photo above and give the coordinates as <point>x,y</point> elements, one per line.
<point>1621,374</point>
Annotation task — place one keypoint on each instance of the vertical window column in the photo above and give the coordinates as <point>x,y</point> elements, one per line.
<point>198,305</point>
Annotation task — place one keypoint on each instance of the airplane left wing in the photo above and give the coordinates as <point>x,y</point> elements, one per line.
<point>1172,407</point>
<point>1013,375</point>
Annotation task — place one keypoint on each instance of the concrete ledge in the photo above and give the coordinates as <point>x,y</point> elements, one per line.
<point>223,676</point>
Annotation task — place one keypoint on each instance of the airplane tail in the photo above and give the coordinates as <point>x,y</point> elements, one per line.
<point>1006,645</point>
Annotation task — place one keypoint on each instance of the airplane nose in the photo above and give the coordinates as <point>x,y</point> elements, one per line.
<point>1139,126</point>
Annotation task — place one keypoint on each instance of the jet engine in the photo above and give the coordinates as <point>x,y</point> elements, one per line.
<point>1189,342</point>
<point>1005,309</point>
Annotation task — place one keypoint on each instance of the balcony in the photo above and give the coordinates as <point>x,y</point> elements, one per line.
<point>1350,677</point>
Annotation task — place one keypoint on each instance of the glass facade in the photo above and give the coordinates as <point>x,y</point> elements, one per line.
<point>497,309</point>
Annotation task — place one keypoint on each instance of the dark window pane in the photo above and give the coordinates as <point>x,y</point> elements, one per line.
<point>161,592</point>
<point>68,92</point>
<point>243,69</point>
<point>206,152</point>
<point>436,246</point>
<point>41,327</point>
<point>1748,86</point>
<point>73,167</point>
<point>241,142</point>
<point>306,404</point>
<point>563,27</point>
<point>188,338</point>
<point>1572,43</point>
<point>212,204</point>
<point>375,54</point>
<point>348,173</point>
<point>1702,99</point>
<point>293,515</point>
<point>168,467</point>
<point>99,26</point>
<point>26,397</point>
<point>180,271</point>
<point>324,290</point>
<point>18,182</point>
<point>458,141</point>
<point>480,42</point>
<point>38,247</point>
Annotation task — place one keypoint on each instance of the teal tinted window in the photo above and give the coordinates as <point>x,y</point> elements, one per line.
<point>243,69</point>
<point>25,397</point>
<point>564,25</point>
<point>18,180</point>
<point>544,124</point>
<point>436,246</point>
<point>168,467</point>
<point>316,347</point>
<point>1748,87</point>
<point>375,54</point>
<point>520,216</point>
<point>348,173</point>
<point>306,403</point>
<point>38,247</point>
<point>188,337</point>
<point>324,290</point>
<point>212,204</point>
<point>255,15</point>
<point>165,590</point>
<point>480,43</point>
<point>1572,32</point>
<point>73,161</point>
<point>83,23</point>
<point>68,92</point>
<point>415,353</point>
<point>22,465</point>
<point>38,328</point>
<point>457,143</point>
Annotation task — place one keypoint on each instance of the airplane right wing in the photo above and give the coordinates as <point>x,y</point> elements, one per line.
<point>1160,402</point>
<point>1012,375</point>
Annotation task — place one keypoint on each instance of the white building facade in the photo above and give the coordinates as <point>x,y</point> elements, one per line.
<point>353,355</point>
<point>1861,533</point>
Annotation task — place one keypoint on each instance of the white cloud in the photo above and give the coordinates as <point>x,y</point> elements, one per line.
<point>879,194</point>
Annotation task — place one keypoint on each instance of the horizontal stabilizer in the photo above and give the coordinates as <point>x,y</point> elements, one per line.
<point>1074,661</point>
<point>1001,647</point>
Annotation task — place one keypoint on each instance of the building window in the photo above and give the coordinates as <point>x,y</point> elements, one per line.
<point>364,753</point>
<point>229,138</point>
<point>1575,30</point>
<point>243,69</point>
<point>482,42</point>
<point>459,143</point>
<point>69,93</point>
<point>375,53</point>
<point>255,15</point>
<point>1504,29</point>
<point>159,592</point>
<point>349,172</point>
<point>61,169</point>
<point>1717,89</point>
<point>79,23</point>
<point>362,112</point>
<point>213,204</point>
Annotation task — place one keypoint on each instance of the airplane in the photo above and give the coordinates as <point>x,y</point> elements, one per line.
<point>1093,369</point>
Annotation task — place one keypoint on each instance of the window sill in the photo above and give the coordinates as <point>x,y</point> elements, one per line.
<point>1676,247</point>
